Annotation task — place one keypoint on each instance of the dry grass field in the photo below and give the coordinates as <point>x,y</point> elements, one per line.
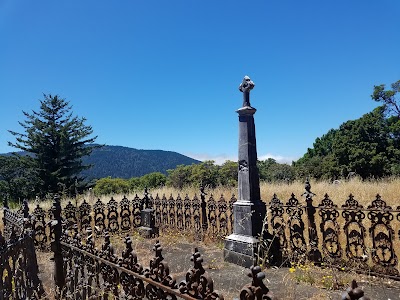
<point>363,191</point>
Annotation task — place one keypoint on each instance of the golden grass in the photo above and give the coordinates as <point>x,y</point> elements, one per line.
<point>363,191</point>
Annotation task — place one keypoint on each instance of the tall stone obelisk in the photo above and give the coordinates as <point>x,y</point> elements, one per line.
<point>249,211</point>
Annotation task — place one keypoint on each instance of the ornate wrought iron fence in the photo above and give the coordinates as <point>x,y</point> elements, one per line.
<point>92,272</point>
<point>83,271</point>
<point>124,216</point>
<point>336,235</point>
<point>18,264</point>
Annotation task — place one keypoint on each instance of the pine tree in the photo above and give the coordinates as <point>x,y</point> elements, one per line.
<point>57,141</point>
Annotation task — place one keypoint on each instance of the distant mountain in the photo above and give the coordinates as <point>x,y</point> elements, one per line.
<point>124,162</point>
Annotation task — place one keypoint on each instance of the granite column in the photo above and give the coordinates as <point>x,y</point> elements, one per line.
<point>249,211</point>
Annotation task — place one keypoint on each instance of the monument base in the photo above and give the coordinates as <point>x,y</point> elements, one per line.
<point>148,232</point>
<point>241,250</point>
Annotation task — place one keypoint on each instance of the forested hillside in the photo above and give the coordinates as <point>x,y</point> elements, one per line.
<point>124,162</point>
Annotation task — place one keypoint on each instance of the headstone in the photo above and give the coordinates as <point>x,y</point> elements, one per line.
<point>148,225</point>
<point>147,228</point>
<point>249,211</point>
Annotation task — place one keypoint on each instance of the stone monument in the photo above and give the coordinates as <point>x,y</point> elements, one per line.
<point>248,211</point>
<point>148,227</point>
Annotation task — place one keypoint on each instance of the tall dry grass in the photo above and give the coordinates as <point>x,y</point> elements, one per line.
<point>363,191</point>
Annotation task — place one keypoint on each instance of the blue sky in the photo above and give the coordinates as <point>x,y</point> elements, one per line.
<point>165,74</point>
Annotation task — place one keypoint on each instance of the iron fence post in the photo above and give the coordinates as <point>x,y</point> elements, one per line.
<point>204,223</point>
<point>59,276</point>
<point>314,254</point>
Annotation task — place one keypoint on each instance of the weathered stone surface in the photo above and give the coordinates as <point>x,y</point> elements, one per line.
<point>240,250</point>
<point>248,217</point>
<point>249,211</point>
<point>248,177</point>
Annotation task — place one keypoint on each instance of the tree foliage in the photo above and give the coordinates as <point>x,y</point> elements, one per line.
<point>388,98</point>
<point>105,186</point>
<point>17,177</point>
<point>272,171</point>
<point>368,146</point>
<point>228,173</point>
<point>57,142</point>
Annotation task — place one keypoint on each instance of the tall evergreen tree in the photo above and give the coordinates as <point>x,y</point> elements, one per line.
<point>56,141</point>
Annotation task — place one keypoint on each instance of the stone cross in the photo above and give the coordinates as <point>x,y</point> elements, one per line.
<point>245,87</point>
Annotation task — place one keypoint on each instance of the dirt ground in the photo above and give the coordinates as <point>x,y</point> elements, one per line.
<point>228,278</point>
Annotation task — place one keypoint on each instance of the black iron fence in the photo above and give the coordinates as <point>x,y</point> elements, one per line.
<point>211,216</point>
<point>84,271</point>
<point>348,236</point>
<point>18,264</point>
<point>88,272</point>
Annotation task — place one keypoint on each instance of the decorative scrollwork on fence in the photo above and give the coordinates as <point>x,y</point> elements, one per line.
<point>84,215</point>
<point>70,216</point>
<point>278,223</point>
<point>157,211</point>
<point>164,212</point>
<point>187,205</point>
<point>159,272</point>
<point>222,217</point>
<point>112,216</point>
<point>198,283</point>
<point>136,211</point>
<point>125,214</point>
<point>256,289</point>
<point>179,213</point>
<point>13,224</point>
<point>18,264</point>
<point>212,216</point>
<point>296,227</point>
<point>123,277</point>
<point>39,227</point>
<point>330,229</point>
<point>196,209</point>
<point>355,232</point>
<point>171,212</point>
<point>99,217</point>
<point>383,255</point>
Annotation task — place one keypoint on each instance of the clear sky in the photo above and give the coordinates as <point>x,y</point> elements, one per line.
<point>165,74</point>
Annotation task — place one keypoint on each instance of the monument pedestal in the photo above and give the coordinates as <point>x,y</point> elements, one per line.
<point>241,247</point>
<point>241,250</point>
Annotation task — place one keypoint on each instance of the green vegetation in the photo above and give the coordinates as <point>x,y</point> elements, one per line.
<point>55,142</point>
<point>368,146</point>
<point>18,177</point>
<point>206,173</point>
<point>110,185</point>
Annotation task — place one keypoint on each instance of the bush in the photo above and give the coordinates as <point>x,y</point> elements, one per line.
<point>106,186</point>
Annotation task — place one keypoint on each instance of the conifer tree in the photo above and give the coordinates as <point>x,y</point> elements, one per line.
<point>56,141</point>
